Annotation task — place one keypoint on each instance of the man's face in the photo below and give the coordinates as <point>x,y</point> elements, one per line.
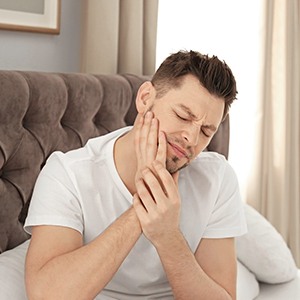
<point>189,116</point>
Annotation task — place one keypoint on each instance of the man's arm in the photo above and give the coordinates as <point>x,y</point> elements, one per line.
<point>211,272</point>
<point>58,266</point>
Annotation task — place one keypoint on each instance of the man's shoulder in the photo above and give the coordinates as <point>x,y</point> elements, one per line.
<point>210,165</point>
<point>96,145</point>
<point>96,148</point>
<point>209,158</point>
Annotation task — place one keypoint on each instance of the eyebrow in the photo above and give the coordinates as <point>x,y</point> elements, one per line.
<point>191,115</point>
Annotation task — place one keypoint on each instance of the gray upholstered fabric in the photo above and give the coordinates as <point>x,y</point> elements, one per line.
<point>44,112</point>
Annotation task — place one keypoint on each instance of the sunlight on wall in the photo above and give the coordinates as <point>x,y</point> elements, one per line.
<point>231,30</point>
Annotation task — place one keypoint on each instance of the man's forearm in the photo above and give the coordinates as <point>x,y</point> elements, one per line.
<point>83,273</point>
<point>186,277</point>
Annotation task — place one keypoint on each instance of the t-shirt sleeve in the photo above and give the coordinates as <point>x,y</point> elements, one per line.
<point>227,218</point>
<point>54,200</point>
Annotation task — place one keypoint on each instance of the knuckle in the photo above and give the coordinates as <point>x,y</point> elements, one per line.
<point>143,194</point>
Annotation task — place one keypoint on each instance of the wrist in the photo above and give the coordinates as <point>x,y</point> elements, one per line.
<point>169,240</point>
<point>133,218</point>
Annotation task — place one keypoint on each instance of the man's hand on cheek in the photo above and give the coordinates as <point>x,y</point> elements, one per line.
<point>150,145</point>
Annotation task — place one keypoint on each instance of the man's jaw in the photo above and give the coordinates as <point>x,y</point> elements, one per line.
<point>172,165</point>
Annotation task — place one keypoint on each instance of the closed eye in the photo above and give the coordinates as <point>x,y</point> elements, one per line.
<point>205,130</point>
<point>206,134</point>
<point>181,118</point>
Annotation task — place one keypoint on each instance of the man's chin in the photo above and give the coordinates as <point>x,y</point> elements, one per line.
<point>173,165</point>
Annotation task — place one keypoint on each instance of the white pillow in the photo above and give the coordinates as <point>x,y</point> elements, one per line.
<point>263,250</point>
<point>247,287</point>
<point>12,262</point>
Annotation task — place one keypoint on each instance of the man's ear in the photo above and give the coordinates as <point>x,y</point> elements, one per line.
<point>145,97</point>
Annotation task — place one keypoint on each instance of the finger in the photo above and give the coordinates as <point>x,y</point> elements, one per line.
<point>145,195</point>
<point>176,177</point>
<point>169,185</point>
<point>139,207</point>
<point>154,186</point>
<point>162,148</point>
<point>144,134</point>
<point>152,141</point>
<point>137,138</point>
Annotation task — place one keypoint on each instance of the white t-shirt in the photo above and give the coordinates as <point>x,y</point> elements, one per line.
<point>82,190</point>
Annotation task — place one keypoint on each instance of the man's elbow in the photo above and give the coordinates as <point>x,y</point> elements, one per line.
<point>36,289</point>
<point>33,291</point>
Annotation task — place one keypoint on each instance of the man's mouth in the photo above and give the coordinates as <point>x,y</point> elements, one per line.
<point>179,152</point>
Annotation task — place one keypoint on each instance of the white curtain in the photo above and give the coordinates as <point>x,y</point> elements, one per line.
<point>275,182</point>
<point>119,36</point>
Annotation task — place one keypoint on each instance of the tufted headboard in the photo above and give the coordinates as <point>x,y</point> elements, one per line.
<point>43,112</point>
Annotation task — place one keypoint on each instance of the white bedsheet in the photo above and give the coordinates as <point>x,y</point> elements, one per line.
<point>12,281</point>
<point>284,291</point>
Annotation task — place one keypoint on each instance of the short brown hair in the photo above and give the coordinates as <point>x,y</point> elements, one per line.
<point>212,73</point>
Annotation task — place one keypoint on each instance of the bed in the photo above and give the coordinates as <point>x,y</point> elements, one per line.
<point>42,112</point>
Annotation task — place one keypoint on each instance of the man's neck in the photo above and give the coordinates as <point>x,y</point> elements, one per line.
<point>125,160</point>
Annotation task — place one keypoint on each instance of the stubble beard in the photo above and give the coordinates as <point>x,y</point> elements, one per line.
<point>172,164</point>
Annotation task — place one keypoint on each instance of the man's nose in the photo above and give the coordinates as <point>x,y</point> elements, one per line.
<point>191,134</point>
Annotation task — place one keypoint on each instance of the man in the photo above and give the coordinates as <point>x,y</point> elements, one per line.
<point>122,218</point>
